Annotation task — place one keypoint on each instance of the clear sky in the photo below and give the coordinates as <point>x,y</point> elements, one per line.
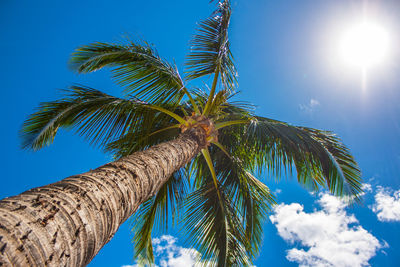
<point>287,62</point>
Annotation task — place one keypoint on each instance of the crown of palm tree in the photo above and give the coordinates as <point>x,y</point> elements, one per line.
<point>223,203</point>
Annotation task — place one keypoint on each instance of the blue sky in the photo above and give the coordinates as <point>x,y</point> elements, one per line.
<point>284,54</point>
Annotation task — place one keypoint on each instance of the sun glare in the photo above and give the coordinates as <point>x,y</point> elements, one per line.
<point>364,45</point>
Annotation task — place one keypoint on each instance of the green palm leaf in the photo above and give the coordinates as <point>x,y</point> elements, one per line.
<point>319,157</point>
<point>228,216</point>
<point>213,229</point>
<point>254,199</point>
<point>137,67</point>
<point>97,116</point>
<point>210,49</point>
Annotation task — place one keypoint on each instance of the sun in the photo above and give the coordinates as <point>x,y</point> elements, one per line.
<point>364,45</point>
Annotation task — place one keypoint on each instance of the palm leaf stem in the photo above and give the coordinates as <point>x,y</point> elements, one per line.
<point>220,146</point>
<point>164,129</point>
<point>170,113</point>
<point>229,123</point>
<point>158,131</point>
<point>212,92</point>
<point>208,159</point>
<point>195,107</point>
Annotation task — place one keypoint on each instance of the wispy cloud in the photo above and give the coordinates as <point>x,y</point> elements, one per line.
<point>309,107</point>
<point>367,188</point>
<point>277,191</point>
<point>387,204</point>
<point>328,237</point>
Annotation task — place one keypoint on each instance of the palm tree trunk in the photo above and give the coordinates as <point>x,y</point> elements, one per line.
<point>68,222</point>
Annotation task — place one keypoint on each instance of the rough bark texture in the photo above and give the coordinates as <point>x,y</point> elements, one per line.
<point>68,222</point>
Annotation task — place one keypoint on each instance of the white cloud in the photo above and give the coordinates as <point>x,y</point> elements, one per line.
<point>277,191</point>
<point>328,237</point>
<point>309,107</point>
<point>168,254</point>
<point>314,102</point>
<point>367,188</point>
<point>387,204</point>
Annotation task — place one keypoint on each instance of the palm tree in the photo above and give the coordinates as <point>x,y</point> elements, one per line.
<point>182,155</point>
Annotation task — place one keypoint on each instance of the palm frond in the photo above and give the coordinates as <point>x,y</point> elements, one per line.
<point>97,116</point>
<point>319,157</point>
<point>224,219</point>
<point>155,215</point>
<point>210,49</point>
<point>253,199</point>
<point>213,229</point>
<point>135,66</point>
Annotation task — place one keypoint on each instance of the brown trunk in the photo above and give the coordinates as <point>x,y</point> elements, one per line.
<point>68,222</point>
